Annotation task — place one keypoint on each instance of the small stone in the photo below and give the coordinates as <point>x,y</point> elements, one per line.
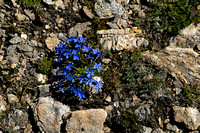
<point>79,28</point>
<point>20,17</point>
<point>25,48</point>
<point>172,128</point>
<point>41,78</point>
<point>116,104</point>
<point>52,41</point>
<point>158,130</point>
<point>47,27</point>
<point>1,57</point>
<point>48,2</point>
<point>15,40</point>
<point>12,98</point>
<point>106,61</point>
<point>33,43</point>
<point>143,111</point>
<point>59,4</point>
<point>146,129</point>
<point>62,37</point>
<point>29,14</point>
<point>24,36</point>
<point>2,105</point>
<point>90,121</point>
<point>108,99</point>
<point>88,12</point>
<point>44,89</point>
<point>112,25</point>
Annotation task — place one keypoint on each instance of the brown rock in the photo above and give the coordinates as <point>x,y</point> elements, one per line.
<point>2,105</point>
<point>88,12</point>
<point>48,114</point>
<point>189,116</point>
<point>12,98</point>
<point>181,63</point>
<point>86,121</point>
<point>79,28</point>
<point>52,41</point>
<point>120,39</point>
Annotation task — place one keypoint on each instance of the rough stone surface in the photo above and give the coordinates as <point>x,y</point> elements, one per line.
<point>79,28</point>
<point>25,48</point>
<point>88,12</point>
<point>108,9</point>
<point>187,38</point>
<point>181,63</point>
<point>189,116</point>
<point>18,119</point>
<point>146,130</point>
<point>48,114</point>
<point>15,40</point>
<point>119,39</point>
<point>52,41</point>
<point>143,111</point>
<point>86,121</point>
<point>12,98</point>
<point>2,105</point>
<point>30,14</point>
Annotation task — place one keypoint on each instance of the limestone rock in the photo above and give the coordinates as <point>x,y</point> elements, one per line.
<point>12,98</point>
<point>108,9</point>
<point>2,105</point>
<point>49,2</point>
<point>189,116</point>
<point>120,39</point>
<point>18,119</point>
<point>187,38</point>
<point>79,28</point>
<point>143,111</point>
<point>52,41</point>
<point>88,12</point>
<point>181,63</point>
<point>15,40</point>
<point>48,114</point>
<point>86,121</point>
<point>30,14</point>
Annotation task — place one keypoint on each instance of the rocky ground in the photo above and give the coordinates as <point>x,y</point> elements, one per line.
<point>144,90</point>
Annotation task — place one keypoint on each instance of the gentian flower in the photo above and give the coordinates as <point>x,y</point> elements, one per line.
<point>90,72</point>
<point>60,87</point>
<point>95,51</point>
<point>86,48</point>
<point>98,85</point>
<point>70,39</point>
<point>81,39</point>
<point>97,66</point>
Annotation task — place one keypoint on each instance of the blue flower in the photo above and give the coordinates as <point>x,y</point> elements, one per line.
<point>80,93</point>
<point>76,57</point>
<point>97,66</point>
<point>86,48</point>
<point>98,85</point>
<point>70,39</point>
<point>78,46</point>
<point>90,56</point>
<point>90,72</point>
<point>81,39</point>
<point>95,51</point>
<point>99,54</point>
<point>81,79</point>
<point>67,54</point>
<point>57,70</point>
<point>60,87</point>
<point>76,39</point>
<point>89,81</point>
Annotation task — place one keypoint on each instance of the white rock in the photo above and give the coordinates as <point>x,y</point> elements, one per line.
<point>12,98</point>
<point>24,36</point>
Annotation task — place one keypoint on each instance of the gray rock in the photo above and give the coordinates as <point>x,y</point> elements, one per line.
<point>112,25</point>
<point>109,9</point>
<point>158,130</point>
<point>12,60</point>
<point>15,40</point>
<point>25,48</point>
<point>86,121</point>
<point>189,116</point>
<point>143,111</point>
<point>88,12</point>
<point>62,37</point>
<point>2,105</point>
<point>35,55</point>
<point>44,90</point>
<point>11,49</point>
<point>12,98</point>
<point>49,2</point>
<point>18,119</point>
<point>32,43</point>
<point>79,28</point>
<point>146,129</point>
<point>2,32</point>
<point>172,128</point>
<point>48,114</point>
<point>29,14</point>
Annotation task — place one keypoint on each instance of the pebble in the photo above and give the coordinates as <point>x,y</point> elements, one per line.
<point>12,98</point>
<point>88,12</point>
<point>1,57</point>
<point>62,37</point>
<point>24,36</point>
<point>15,40</point>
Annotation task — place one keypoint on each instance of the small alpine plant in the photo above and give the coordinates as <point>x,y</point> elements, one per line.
<point>77,65</point>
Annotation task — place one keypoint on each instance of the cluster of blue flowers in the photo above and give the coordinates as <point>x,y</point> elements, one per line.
<point>71,53</point>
